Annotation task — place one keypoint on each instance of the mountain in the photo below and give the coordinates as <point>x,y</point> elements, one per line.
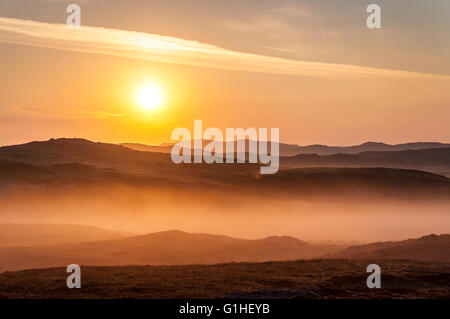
<point>58,151</point>
<point>386,183</point>
<point>435,160</point>
<point>293,149</point>
<point>181,248</point>
<point>70,150</point>
<point>65,163</point>
<point>287,183</point>
<point>431,248</point>
<point>368,147</point>
<point>15,235</point>
<point>285,149</point>
<point>163,248</point>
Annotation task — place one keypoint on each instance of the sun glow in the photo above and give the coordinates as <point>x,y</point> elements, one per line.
<point>149,96</point>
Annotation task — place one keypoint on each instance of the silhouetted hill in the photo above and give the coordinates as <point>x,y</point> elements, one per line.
<point>368,147</point>
<point>384,182</point>
<point>431,248</point>
<point>293,149</point>
<point>163,248</point>
<point>80,162</point>
<point>435,160</point>
<point>70,150</point>
<point>289,183</point>
<point>12,235</point>
<point>57,151</point>
<point>427,157</point>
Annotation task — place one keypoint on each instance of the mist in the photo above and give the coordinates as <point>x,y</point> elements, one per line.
<point>316,219</point>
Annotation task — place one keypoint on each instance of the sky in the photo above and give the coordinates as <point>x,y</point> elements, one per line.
<point>310,68</point>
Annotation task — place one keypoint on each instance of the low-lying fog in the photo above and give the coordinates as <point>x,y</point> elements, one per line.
<point>141,211</point>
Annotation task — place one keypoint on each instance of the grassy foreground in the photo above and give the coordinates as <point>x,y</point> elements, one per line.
<point>292,279</point>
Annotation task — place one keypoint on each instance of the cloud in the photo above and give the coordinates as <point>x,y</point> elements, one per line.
<point>153,47</point>
<point>53,112</point>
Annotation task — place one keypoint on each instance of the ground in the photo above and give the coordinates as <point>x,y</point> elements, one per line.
<point>293,279</point>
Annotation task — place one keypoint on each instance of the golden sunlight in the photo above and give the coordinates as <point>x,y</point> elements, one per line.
<point>149,96</point>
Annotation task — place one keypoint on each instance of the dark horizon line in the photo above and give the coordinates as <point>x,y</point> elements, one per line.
<point>173,143</point>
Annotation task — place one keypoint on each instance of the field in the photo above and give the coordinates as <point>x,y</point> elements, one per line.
<point>293,279</point>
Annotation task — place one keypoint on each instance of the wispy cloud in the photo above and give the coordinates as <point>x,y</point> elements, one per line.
<point>153,47</point>
<point>53,112</point>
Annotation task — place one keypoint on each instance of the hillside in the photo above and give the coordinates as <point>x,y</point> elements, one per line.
<point>181,248</point>
<point>358,182</point>
<point>293,149</point>
<point>299,182</point>
<point>163,248</point>
<point>75,150</point>
<point>433,160</point>
<point>368,147</point>
<point>432,248</point>
<point>76,162</point>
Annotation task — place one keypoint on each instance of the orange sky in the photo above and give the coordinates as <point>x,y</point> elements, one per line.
<point>333,82</point>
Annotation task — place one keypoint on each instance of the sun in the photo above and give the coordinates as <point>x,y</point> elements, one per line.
<point>149,96</point>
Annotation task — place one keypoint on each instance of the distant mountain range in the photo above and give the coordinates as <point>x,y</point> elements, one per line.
<point>367,147</point>
<point>79,162</point>
<point>434,160</point>
<point>293,149</point>
<point>427,156</point>
<point>65,150</point>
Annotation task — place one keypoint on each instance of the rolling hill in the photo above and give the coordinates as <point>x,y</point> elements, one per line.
<point>163,248</point>
<point>58,151</point>
<point>69,162</point>
<point>431,248</point>
<point>293,149</point>
<point>434,160</point>
<point>76,150</point>
<point>384,182</point>
<point>368,147</point>
<point>181,248</point>
<point>293,183</point>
